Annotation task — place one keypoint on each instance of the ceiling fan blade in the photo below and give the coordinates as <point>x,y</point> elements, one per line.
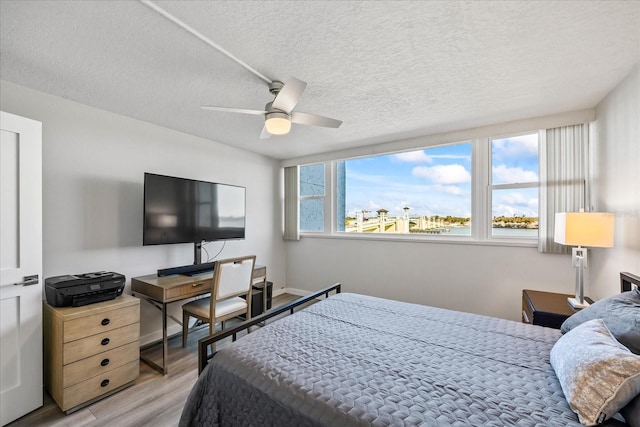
<point>233,110</point>
<point>314,120</point>
<point>289,95</point>
<point>264,134</point>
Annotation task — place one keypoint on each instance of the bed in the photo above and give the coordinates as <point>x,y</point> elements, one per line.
<point>355,360</point>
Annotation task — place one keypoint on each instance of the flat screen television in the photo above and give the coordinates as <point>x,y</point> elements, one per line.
<point>179,210</point>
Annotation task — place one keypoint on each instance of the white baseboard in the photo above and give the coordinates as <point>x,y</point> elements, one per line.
<point>294,291</point>
<point>276,292</point>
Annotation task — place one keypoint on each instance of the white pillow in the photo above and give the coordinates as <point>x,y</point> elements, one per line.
<point>598,375</point>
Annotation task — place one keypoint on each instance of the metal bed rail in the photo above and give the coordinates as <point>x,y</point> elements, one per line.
<point>204,343</point>
<point>626,281</point>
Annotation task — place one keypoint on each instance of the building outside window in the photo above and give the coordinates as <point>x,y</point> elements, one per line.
<point>312,195</point>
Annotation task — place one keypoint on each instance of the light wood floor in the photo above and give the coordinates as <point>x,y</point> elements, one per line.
<point>154,399</point>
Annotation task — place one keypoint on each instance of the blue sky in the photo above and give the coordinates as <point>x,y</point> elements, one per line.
<point>437,181</point>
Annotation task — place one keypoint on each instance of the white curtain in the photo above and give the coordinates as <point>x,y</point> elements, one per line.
<point>291,216</point>
<point>564,170</point>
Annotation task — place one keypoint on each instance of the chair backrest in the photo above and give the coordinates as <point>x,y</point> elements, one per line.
<point>232,277</point>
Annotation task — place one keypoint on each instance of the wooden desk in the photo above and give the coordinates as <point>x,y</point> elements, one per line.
<point>161,291</point>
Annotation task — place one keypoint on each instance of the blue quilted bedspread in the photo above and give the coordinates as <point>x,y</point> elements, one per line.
<point>354,360</point>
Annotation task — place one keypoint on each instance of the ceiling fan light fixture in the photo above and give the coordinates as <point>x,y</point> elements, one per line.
<point>277,123</point>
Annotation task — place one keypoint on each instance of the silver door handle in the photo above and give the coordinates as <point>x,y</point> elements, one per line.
<point>28,281</point>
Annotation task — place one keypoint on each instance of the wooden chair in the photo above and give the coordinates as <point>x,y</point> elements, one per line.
<point>231,280</point>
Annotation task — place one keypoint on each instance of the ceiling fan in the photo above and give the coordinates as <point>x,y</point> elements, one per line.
<point>278,114</point>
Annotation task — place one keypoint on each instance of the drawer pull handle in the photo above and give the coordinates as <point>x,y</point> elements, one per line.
<point>104,362</point>
<point>104,383</point>
<point>105,341</point>
<point>105,322</point>
<point>195,285</point>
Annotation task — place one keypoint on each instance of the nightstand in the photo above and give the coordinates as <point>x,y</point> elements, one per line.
<point>546,308</point>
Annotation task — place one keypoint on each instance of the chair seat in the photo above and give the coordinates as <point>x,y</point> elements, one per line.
<point>200,307</point>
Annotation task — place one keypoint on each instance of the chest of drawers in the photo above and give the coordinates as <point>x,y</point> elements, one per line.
<point>90,351</point>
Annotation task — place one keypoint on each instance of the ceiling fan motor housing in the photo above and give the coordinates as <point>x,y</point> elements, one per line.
<point>275,87</point>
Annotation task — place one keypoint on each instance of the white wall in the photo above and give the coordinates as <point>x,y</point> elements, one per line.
<point>474,278</point>
<point>489,279</point>
<point>93,166</point>
<point>616,182</point>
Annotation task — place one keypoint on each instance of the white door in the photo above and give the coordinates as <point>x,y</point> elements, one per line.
<point>20,266</point>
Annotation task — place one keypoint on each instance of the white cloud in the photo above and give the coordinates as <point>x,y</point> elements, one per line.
<point>505,175</point>
<point>511,210</point>
<point>513,198</point>
<point>503,210</point>
<point>368,178</point>
<point>448,189</point>
<point>372,206</point>
<point>421,157</point>
<point>443,174</point>
<point>413,157</point>
<point>515,203</point>
<point>516,147</point>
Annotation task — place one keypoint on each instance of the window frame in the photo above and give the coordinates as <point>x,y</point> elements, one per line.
<point>491,186</point>
<point>481,203</point>
<point>323,197</point>
<point>404,236</point>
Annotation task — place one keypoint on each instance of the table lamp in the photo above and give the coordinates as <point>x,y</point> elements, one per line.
<point>590,229</point>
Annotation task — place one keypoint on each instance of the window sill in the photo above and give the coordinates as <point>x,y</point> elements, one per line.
<point>462,240</point>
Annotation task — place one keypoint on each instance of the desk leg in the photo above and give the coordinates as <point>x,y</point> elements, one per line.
<point>165,340</point>
<point>164,370</point>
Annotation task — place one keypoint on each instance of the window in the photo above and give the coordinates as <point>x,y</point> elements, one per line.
<point>312,195</point>
<point>514,186</point>
<point>476,190</point>
<point>419,192</point>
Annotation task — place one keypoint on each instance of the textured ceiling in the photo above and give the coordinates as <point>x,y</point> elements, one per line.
<point>389,69</point>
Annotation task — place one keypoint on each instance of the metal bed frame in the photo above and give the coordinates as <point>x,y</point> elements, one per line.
<point>204,343</point>
<point>626,279</point>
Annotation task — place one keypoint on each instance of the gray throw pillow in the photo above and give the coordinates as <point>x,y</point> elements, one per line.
<point>631,412</point>
<point>598,375</point>
<point>621,314</point>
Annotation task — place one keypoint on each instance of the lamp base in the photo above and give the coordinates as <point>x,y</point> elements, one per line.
<point>574,303</point>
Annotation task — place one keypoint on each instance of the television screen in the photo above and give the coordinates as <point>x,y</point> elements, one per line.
<point>178,210</point>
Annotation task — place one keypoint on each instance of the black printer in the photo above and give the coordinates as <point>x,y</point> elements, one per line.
<point>83,289</point>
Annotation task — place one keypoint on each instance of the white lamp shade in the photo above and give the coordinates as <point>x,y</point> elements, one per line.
<point>590,229</point>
